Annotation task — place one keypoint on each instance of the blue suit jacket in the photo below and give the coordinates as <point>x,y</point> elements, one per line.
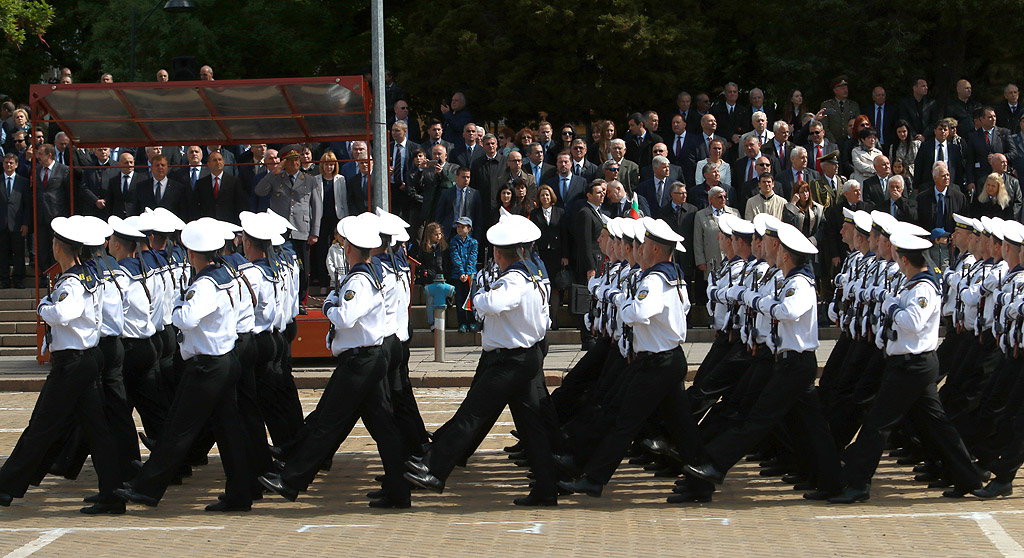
<point>447,212</point>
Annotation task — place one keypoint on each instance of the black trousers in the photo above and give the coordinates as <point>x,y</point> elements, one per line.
<point>301,248</point>
<point>506,378</point>
<point>717,352</point>
<point>43,249</point>
<point>207,395</point>
<point>356,390</point>
<point>71,392</point>
<point>144,386</point>
<point>248,404</point>
<point>278,398</point>
<point>833,366</point>
<point>655,386</point>
<point>720,379</point>
<point>407,412</point>
<point>789,397</point>
<point>12,256</point>
<point>570,397</point>
<point>908,390</point>
<point>965,390</point>
<point>848,412</point>
<point>1008,442</point>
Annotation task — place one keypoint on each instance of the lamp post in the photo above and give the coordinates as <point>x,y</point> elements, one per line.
<point>173,6</point>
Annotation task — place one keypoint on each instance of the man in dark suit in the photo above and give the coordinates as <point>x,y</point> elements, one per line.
<point>744,168</point>
<point>798,171</point>
<point>903,208</point>
<point>639,141</point>
<point>227,155</point>
<point>253,165</point>
<point>437,178</point>
<point>469,150</point>
<point>936,206</point>
<point>194,171</point>
<point>588,226</point>
<point>359,185</point>
<point>52,186</point>
<point>680,143</point>
<point>15,212</point>
<point>712,177</point>
<point>920,110</point>
<point>489,173</point>
<point>757,104</point>
<point>91,191</point>
<point>818,146</point>
<point>433,137</point>
<point>402,166</point>
<point>684,107</point>
<point>882,115</point>
<point>751,187</point>
<point>619,203</point>
<point>675,172</point>
<point>680,215</point>
<point>733,118</point>
<point>358,152</point>
<point>876,187</point>
<point>701,146</point>
<point>1008,112</point>
<point>121,189</point>
<point>978,145</point>
<point>161,191</point>
<point>567,186</point>
<point>401,113</point>
<point>581,166</point>
<point>456,117</point>
<point>657,190</point>
<point>536,166</point>
<point>460,201</point>
<point>963,108</point>
<point>938,149</point>
<point>220,195</point>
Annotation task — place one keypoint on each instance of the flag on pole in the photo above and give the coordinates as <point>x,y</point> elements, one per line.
<point>634,210</point>
<point>468,305</point>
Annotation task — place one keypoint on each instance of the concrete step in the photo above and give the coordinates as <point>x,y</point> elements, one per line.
<point>19,351</point>
<point>17,304</point>
<point>25,294</point>
<point>7,328</point>
<point>9,316</point>
<point>18,340</point>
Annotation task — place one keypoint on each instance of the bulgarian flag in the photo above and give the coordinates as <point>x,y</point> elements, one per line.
<point>468,304</point>
<point>634,210</point>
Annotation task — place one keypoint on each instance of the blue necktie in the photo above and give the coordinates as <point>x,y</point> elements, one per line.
<point>10,187</point>
<point>458,207</point>
<point>564,189</point>
<point>195,176</point>
<point>940,212</point>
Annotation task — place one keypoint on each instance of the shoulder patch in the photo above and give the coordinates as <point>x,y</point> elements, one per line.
<point>922,301</point>
<point>790,292</point>
<point>349,295</point>
<point>642,294</point>
<point>62,297</point>
<point>189,295</point>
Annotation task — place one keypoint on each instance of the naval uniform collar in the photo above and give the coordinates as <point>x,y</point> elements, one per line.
<point>926,275</point>
<point>668,269</point>
<point>804,270</point>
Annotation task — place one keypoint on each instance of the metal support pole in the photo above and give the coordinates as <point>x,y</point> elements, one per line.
<point>379,177</point>
<point>439,339</point>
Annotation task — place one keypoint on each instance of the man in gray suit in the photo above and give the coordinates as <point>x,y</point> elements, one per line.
<point>52,187</point>
<point>295,196</point>
<point>629,172</point>
<point>707,254</point>
<point>14,216</point>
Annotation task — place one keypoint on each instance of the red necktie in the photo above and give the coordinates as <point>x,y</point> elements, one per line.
<point>782,154</point>
<point>817,160</point>
<point>988,139</point>
<point>799,176</point>
<point>750,170</point>
<point>46,176</point>
<point>216,187</point>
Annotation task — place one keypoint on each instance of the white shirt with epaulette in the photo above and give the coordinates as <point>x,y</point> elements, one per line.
<point>915,314</point>
<point>358,314</point>
<point>205,316</point>
<point>512,311</point>
<point>73,312</point>
<point>794,307</point>
<point>657,313</point>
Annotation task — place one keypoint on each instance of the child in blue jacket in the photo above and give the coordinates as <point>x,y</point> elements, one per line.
<point>463,251</point>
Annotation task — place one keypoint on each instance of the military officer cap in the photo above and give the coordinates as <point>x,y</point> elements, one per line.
<point>962,222</point>
<point>103,230</point>
<point>140,223</point>
<point>987,226</point>
<point>640,228</point>
<point>158,222</point>
<point>916,230</point>
<point>830,157</point>
<point>290,151</point>
<point>394,221</point>
<point>795,241</point>
<point>995,227</point>
<point>905,242</point>
<point>862,220</point>
<point>626,227</point>
<point>979,228</point>
<point>362,231</point>
<point>613,227</point>
<point>122,229</point>
<point>659,231</point>
<point>839,80</point>
<point>203,235</point>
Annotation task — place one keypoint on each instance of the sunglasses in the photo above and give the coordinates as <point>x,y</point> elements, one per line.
<point>815,132</point>
<point>19,141</point>
<point>613,169</point>
<point>570,134</point>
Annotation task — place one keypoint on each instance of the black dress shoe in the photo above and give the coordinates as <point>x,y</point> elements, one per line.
<point>567,465</point>
<point>517,456</point>
<point>376,494</point>
<point>522,463</point>
<point>820,495</point>
<point>924,468</point>
<point>223,506</point>
<point>583,485</point>
<point>127,495</point>
<point>850,496</point>
<point>995,489</point>
<point>5,499</point>
<point>518,446</point>
<point>278,486</point>
<point>514,433</point>
<point>773,472</point>
<point>417,468</point>
<point>276,466</point>
<point>379,479</point>
<point>386,503</point>
<point>706,472</point>
<point>659,447</point>
<point>113,508</point>
<point>275,452</point>
<point>927,477</point>
<point>955,493</point>
<point>804,486</point>
<point>150,443</point>
<point>642,459</point>
<point>941,483</point>
<point>425,480</point>
<point>94,499</point>
<point>792,479</point>
<point>686,496</point>
<point>670,472</point>
<point>532,500</point>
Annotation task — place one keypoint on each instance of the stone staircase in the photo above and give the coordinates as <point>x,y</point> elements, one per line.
<point>17,322</point>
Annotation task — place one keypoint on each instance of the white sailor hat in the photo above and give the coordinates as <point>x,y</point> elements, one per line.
<point>862,220</point>
<point>882,221</point>
<point>157,222</point>
<point>391,218</point>
<point>170,218</point>
<point>795,241</point>
<point>996,227</point>
<point>640,229</point>
<point>508,232</point>
<point>102,229</point>
<point>848,216</point>
<point>362,231</point>
<point>203,235</point>
<point>530,231</point>
<point>911,228</point>
<point>626,227</point>
<point>1013,232</point>
<point>724,225</point>
<point>741,226</point>
<point>979,227</point>
<point>66,230</point>
<point>987,226</point>
<point>659,231</point>
<point>909,243</point>
<point>402,236</point>
<point>123,229</point>
<point>604,218</point>
<point>502,212</point>
<point>963,222</point>
<point>765,223</point>
<point>287,224</point>
<point>221,227</point>
<point>613,227</point>
<point>140,223</point>
<point>258,225</point>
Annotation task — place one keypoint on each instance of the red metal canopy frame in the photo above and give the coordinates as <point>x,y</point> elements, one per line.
<point>230,112</point>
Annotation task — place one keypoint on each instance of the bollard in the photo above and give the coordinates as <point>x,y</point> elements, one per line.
<point>439,339</point>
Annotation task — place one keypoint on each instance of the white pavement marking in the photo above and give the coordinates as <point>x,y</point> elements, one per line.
<point>988,524</point>
<point>47,536</point>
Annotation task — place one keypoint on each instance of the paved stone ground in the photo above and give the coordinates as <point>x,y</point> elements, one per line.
<point>751,515</point>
